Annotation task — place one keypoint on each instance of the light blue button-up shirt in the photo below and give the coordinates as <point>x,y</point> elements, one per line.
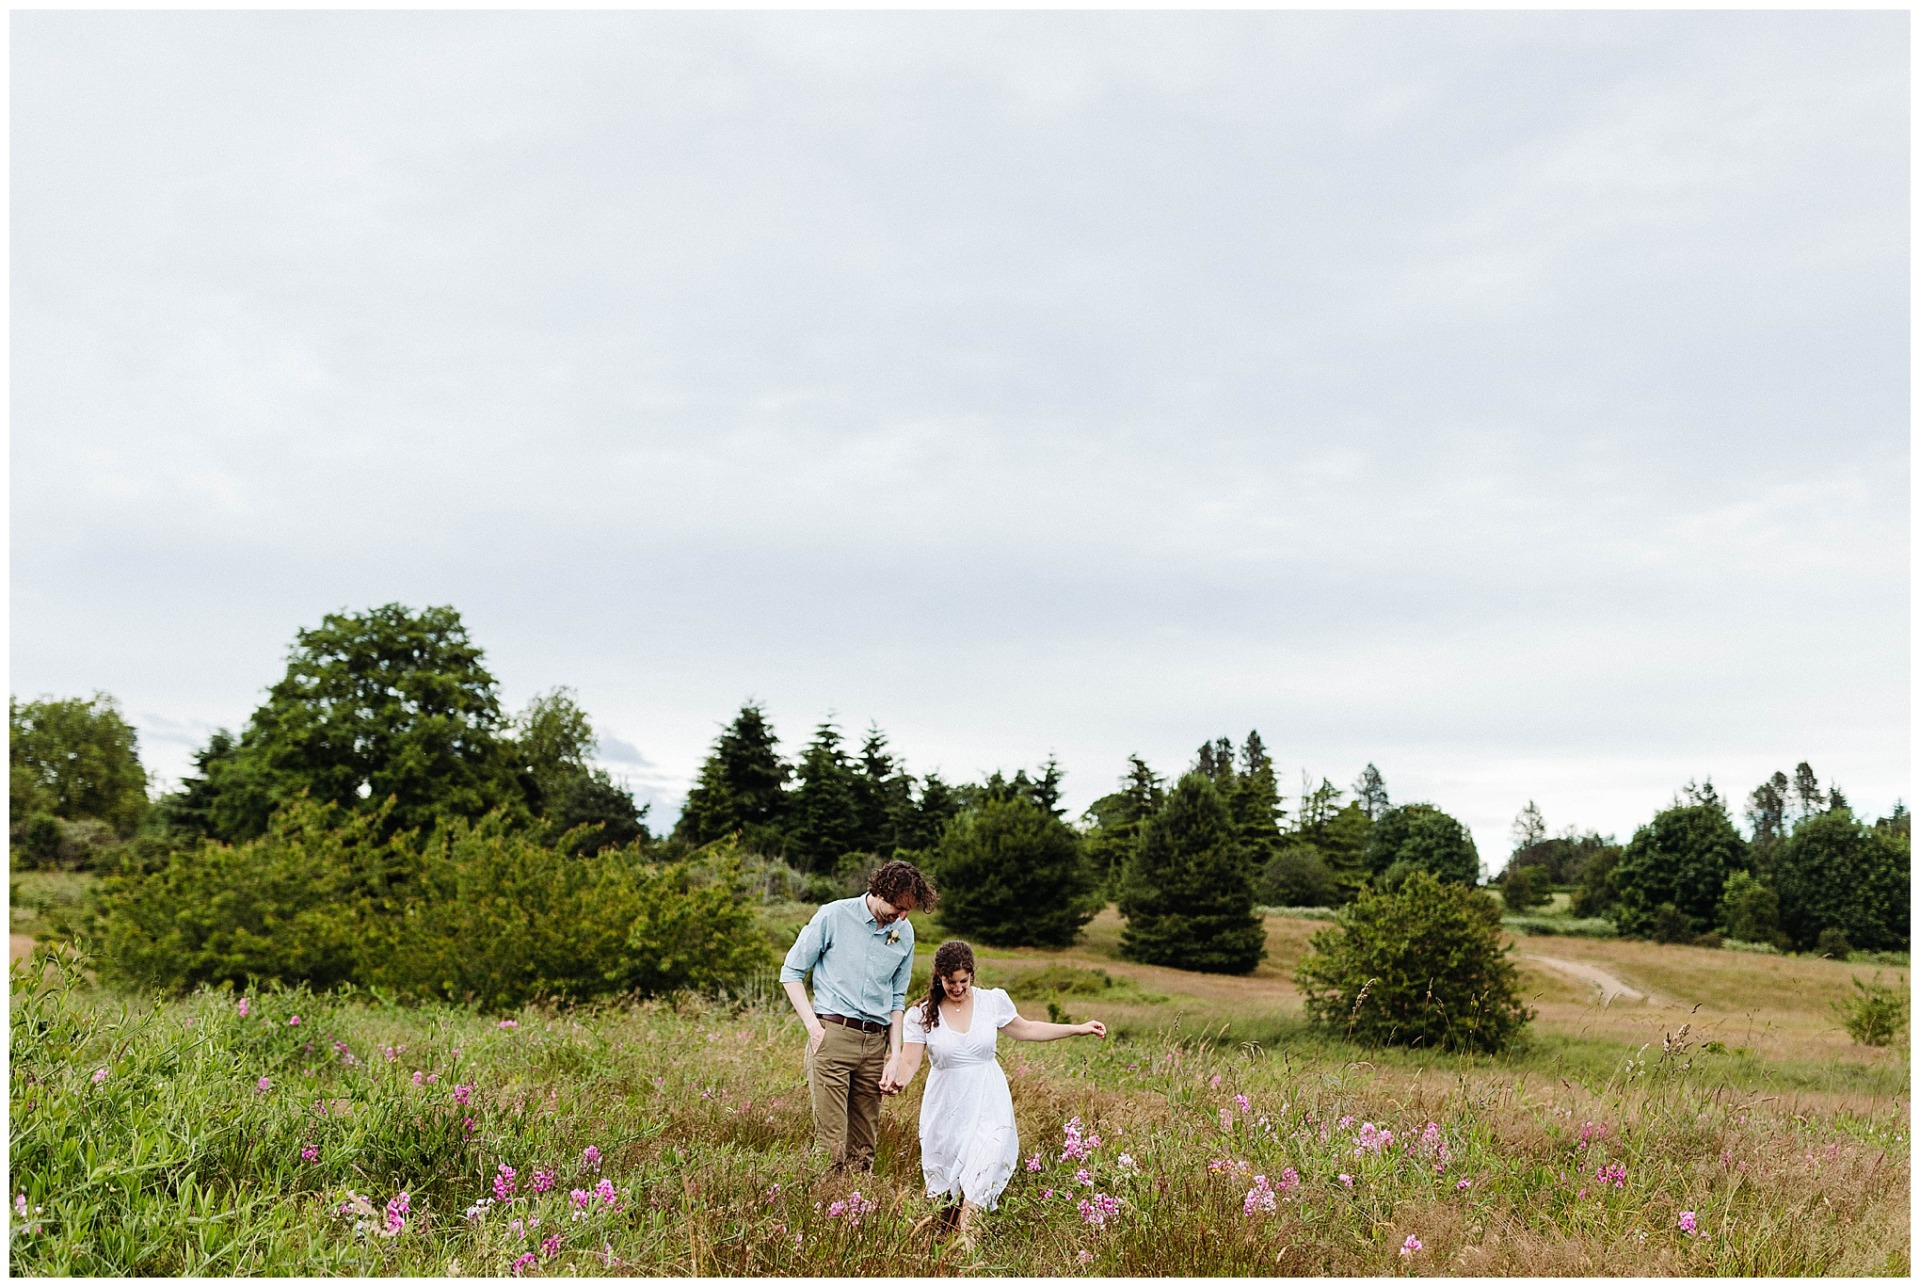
<point>856,971</point>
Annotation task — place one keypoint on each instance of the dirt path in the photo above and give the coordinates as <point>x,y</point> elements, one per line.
<point>1611,988</point>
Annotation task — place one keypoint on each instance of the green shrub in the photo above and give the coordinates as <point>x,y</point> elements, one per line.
<point>477,912</point>
<point>1749,909</point>
<point>1298,876</point>
<point>1875,1016</point>
<point>1671,876</point>
<point>1422,965</point>
<point>1012,874</point>
<point>1420,836</point>
<point>1835,872</point>
<point>1524,887</point>
<point>1833,943</point>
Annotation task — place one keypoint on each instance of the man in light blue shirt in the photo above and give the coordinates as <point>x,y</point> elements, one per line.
<point>860,951</point>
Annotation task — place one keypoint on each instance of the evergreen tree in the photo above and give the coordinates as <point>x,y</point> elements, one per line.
<point>1370,790</point>
<point>741,787</point>
<point>1680,862</point>
<point>1421,837</point>
<point>883,798</point>
<point>1807,799</point>
<point>1835,873</point>
<point>1337,834</point>
<point>1767,815</point>
<point>1186,895</point>
<point>937,805</point>
<point>1255,804</point>
<point>1529,827</point>
<point>1116,820</point>
<point>823,820</point>
<point>1012,874</point>
<point>1216,761</point>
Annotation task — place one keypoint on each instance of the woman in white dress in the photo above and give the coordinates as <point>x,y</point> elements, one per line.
<point>968,1143</point>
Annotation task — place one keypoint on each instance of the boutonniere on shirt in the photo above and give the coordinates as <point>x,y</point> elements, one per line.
<point>893,936</point>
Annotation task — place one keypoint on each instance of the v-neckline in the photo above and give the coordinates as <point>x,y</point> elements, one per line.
<point>970,1018</point>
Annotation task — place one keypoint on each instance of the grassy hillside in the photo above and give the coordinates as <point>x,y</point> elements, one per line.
<point>1787,1144</point>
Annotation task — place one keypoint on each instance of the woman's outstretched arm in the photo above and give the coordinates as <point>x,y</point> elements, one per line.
<point>1033,1030</point>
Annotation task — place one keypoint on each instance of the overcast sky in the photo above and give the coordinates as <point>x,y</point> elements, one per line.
<point>1516,401</point>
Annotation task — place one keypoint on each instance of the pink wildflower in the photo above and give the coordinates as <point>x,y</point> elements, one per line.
<point>773,1191</point>
<point>1411,1245</point>
<point>1581,1195</point>
<point>461,1094</point>
<point>99,1075</point>
<point>1463,1186</point>
<point>503,1183</point>
<point>466,1125</point>
<point>580,1198</point>
<point>419,1078</point>
<point>550,1246</point>
<point>1616,1175</point>
<point>1083,1176</point>
<point>396,1214</point>
<point>311,1153</point>
<point>1259,1197</point>
<point>1689,1223</point>
<point>1245,1105</point>
<point>1215,1083</point>
<point>262,1086</point>
<point>523,1263</point>
<point>1045,1194</point>
<point>1289,1179</point>
<point>294,1022</point>
<point>1127,1163</point>
<point>508,1025</point>
<point>245,1007</point>
<point>1033,1163</point>
<point>1099,1209</point>
<point>1345,1122</point>
<point>1346,1179</point>
<point>542,1180</point>
<point>1083,1256</point>
<point>590,1160</point>
<point>604,1191</point>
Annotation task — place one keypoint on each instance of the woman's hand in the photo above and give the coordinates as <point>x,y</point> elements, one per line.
<point>1092,1028</point>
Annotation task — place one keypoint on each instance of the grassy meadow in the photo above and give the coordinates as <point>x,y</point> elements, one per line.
<point>201,1136</point>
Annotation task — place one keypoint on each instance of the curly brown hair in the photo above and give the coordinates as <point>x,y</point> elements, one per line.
<point>901,884</point>
<point>953,956</point>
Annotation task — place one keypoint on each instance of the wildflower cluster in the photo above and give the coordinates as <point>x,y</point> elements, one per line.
<point>27,1224</point>
<point>1616,1175</point>
<point>1099,1209</point>
<point>852,1209</point>
<point>1078,1148</point>
<point>1372,1140</point>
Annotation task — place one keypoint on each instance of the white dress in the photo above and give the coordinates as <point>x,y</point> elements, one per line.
<point>968,1144</point>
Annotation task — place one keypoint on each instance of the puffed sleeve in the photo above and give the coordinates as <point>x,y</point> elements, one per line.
<point>913,1028</point>
<point>1007,1013</point>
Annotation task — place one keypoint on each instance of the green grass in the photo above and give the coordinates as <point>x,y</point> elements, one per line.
<point>175,1162</point>
<point>38,899</point>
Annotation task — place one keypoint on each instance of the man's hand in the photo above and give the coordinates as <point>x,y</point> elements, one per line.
<point>816,1034</point>
<point>890,1083</point>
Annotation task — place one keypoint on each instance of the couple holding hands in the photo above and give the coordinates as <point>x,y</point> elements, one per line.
<point>864,1041</point>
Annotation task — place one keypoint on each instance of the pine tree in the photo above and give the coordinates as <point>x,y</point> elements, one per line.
<point>1216,761</point>
<point>1529,827</point>
<point>1370,790</point>
<point>823,821</point>
<point>1806,791</point>
<point>1255,804</point>
<point>883,797</point>
<point>937,806</point>
<point>741,787</point>
<point>1767,815</point>
<point>1116,821</point>
<point>1012,874</point>
<point>1186,895</point>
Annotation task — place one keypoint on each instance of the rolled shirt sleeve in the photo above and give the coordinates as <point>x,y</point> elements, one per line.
<point>903,972</point>
<point>807,947</point>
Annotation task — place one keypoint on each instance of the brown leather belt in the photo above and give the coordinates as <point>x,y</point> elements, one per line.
<point>845,1022</point>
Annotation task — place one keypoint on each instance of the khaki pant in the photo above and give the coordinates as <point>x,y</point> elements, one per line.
<point>843,1077</point>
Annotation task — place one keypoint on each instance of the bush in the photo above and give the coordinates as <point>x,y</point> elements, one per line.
<point>1186,893</point>
<point>1012,874</point>
<point>475,913</point>
<point>1834,872</point>
<point>1875,1016</point>
<point>1833,943</point>
<point>1673,872</point>
<point>1298,876</point>
<point>1422,965</point>
<point>1420,836</point>
<point>1524,886</point>
<point>1749,909</point>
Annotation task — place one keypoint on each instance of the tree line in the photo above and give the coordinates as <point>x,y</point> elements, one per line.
<point>388,722</point>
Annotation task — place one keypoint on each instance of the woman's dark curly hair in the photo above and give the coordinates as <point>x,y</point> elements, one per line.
<point>952,957</point>
<point>901,884</point>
